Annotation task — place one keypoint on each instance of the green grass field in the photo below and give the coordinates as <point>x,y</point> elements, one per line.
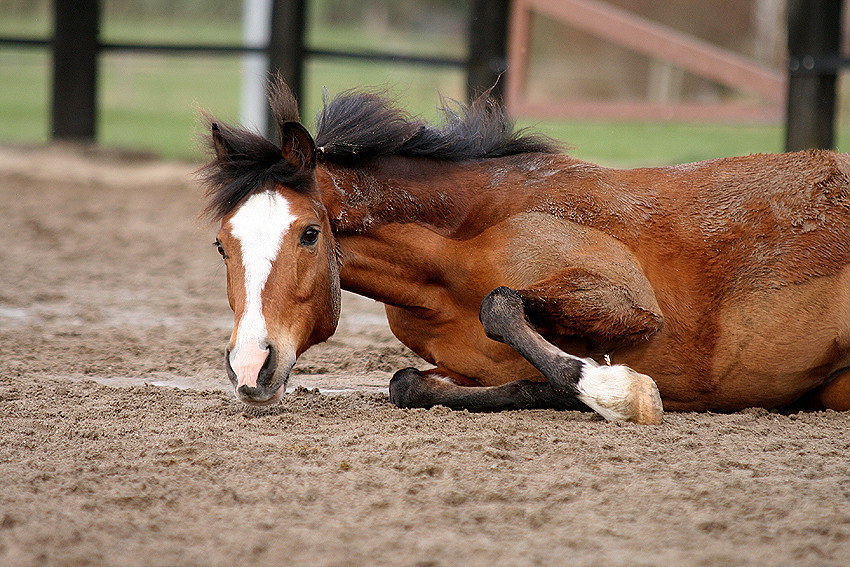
<point>151,102</point>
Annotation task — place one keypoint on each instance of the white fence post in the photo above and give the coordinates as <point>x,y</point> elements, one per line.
<point>256,31</point>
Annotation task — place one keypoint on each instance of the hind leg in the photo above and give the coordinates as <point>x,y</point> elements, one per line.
<point>615,392</point>
<point>835,394</point>
<point>412,388</point>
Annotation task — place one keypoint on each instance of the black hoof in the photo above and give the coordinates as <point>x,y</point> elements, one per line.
<point>406,388</point>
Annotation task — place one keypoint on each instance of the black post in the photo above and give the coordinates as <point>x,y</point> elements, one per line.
<point>814,32</point>
<point>75,47</point>
<point>286,46</point>
<point>488,38</point>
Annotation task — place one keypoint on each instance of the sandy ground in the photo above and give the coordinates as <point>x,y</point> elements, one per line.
<point>120,444</point>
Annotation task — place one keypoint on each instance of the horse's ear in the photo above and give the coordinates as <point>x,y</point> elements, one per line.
<point>222,148</point>
<point>297,145</point>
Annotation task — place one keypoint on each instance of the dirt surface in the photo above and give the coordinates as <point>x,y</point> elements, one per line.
<point>121,445</point>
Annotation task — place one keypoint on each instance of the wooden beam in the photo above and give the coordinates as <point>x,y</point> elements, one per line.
<point>75,48</point>
<point>653,39</point>
<point>519,34</point>
<point>584,109</point>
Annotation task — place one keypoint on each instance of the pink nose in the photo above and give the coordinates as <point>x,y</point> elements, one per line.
<point>247,361</point>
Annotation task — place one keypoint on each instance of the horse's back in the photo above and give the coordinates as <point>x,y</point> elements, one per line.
<point>843,161</point>
<point>748,222</point>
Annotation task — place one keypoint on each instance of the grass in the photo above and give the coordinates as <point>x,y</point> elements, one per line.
<point>632,144</point>
<point>151,102</point>
<point>154,103</point>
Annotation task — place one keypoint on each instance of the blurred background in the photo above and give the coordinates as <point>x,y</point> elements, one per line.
<point>149,101</point>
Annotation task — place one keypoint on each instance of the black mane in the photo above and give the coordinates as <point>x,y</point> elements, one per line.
<point>351,128</point>
<point>357,125</point>
<point>244,162</point>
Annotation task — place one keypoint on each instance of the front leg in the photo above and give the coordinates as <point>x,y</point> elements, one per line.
<point>615,392</point>
<point>412,388</point>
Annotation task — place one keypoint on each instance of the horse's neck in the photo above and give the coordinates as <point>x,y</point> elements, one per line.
<point>389,218</point>
<point>393,219</point>
<point>457,200</point>
<point>398,190</point>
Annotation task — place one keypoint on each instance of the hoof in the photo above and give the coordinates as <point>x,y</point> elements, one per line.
<point>620,393</point>
<point>646,401</point>
<point>404,388</point>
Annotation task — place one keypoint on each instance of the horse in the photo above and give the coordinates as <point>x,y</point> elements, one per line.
<point>529,278</point>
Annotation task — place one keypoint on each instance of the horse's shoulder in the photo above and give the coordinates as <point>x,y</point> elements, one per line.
<point>537,244</point>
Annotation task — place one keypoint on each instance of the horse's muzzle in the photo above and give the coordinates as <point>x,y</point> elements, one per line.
<point>268,388</point>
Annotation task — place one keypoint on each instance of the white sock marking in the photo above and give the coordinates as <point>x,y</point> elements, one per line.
<point>605,389</point>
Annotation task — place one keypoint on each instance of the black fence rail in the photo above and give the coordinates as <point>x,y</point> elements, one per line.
<point>814,45</point>
<point>76,46</point>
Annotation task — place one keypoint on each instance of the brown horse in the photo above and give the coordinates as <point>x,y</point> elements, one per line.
<point>517,270</point>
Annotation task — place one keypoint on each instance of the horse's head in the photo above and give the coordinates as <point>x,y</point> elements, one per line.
<point>276,241</point>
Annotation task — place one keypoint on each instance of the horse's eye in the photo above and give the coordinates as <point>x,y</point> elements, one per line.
<point>310,236</point>
<point>221,251</point>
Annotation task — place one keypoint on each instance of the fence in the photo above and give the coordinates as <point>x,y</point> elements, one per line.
<point>76,47</point>
<point>805,94</point>
<point>645,37</point>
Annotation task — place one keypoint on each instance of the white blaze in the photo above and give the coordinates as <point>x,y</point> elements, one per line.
<point>259,226</point>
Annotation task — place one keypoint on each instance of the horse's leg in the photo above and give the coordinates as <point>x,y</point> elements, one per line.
<point>412,388</point>
<point>615,392</point>
<point>835,394</point>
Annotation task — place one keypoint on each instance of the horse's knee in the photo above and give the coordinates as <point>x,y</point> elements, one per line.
<point>499,311</point>
<point>406,389</point>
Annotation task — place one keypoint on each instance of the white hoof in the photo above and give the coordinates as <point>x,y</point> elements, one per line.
<point>619,393</point>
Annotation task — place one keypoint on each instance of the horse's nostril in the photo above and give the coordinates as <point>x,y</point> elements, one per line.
<point>268,368</point>
<point>264,362</point>
<point>228,366</point>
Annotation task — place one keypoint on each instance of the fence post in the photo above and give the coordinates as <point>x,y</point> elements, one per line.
<point>488,38</point>
<point>256,30</point>
<point>286,47</point>
<point>814,31</point>
<point>75,47</point>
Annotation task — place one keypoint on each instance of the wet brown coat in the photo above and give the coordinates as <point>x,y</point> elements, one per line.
<point>726,281</point>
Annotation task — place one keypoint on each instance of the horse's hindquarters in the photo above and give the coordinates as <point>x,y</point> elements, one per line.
<point>766,348</point>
